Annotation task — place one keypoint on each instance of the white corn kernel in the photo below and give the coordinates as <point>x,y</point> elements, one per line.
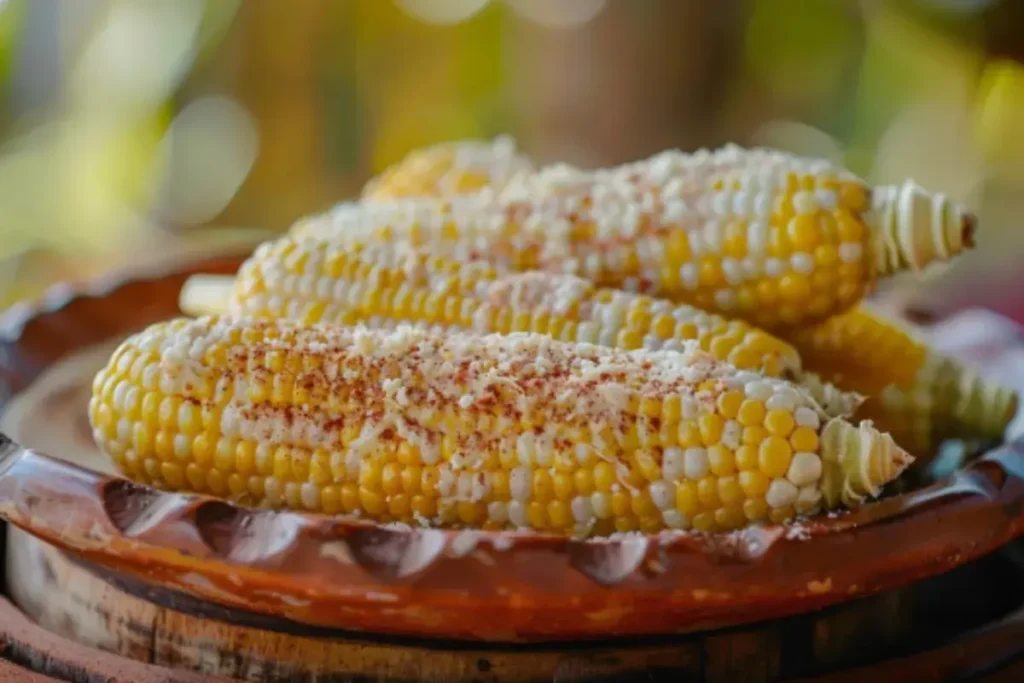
<point>519,484</point>
<point>850,252</point>
<point>805,203</point>
<point>757,237</point>
<point>804,469</point>
<point>732,433</point>
<point>732,270</point>
<point>673,463</point>
<point>497,511</point>
<point>801,262</point>
<point>696,244</point>
<point>695,464</point>
<point>601,504</point>
<point>689,275</point>
<point>662,494</point>
<point>581,509</point>
<point>675,519</point>
<point>780,494</point>
<point>759,390</point>
<point>525,449</point>
<point>517,514</point>
<point>713,236</point>
<point>807,417</point>
<point>808,499</point>
<point>725,299</point>
<point>827,199</point>
<point>783,398</point>
<point>773,267</point>
<point>762,204</point>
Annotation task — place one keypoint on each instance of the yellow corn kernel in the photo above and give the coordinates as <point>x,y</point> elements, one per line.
<point>753,482</point>
<point>746,457</point>
<point>751,413</point>
<point>804,439</point>
<point>753,435</point>
<point>730,517</point>
<point>704,521</point>
<point>687,499</point>
<point>689,434</point>
<point>779,422</point>
<point>803,232</point>
<point>729,404</point>
<point>721,460</point>
<point>707,492</point>
<point>711,426</point>
<point>729,490</point>
<point>774,456</point>
<point>755,509</point>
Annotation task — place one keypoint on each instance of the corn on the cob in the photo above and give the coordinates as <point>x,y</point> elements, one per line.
<point>495,431</point>
<point>319,280</point>
<point>914,392</point>
<point>450,168</point>
<point>316,280</point>
<point>771,238</point>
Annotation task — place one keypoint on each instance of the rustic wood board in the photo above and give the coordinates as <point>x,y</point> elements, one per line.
<point>31,654</point>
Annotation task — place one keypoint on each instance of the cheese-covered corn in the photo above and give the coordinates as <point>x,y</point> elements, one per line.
<point>316,280</point>
<point>499,431</point>
<point>764,236</point>
<point>921,396</point>
<point>321,280</point>
<point>450,168</point>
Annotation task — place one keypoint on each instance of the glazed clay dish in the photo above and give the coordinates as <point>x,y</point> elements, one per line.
<point>453,584</point>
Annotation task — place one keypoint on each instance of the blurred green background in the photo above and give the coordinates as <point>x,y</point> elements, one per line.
<point>129,128</point>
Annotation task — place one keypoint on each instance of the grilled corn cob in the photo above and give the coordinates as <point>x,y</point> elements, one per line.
<point>774,239</point>
<point>319,280</point>
<point>497,431</point>
<point>450,168</point>
<point>916,393</point>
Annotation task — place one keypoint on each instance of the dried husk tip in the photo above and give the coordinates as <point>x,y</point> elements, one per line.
<point>858,460</point>
<point>914,228</point>
<point>983,404</point>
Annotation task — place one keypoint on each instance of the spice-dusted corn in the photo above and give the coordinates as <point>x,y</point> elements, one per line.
<point>500,431</point>
<point>772,238</point>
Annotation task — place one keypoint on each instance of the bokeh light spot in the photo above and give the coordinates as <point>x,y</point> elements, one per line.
<point>442,11</point>
<point>558,13</point>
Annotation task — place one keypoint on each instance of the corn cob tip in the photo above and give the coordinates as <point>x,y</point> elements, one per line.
<point>857,461</point>
<point>916,228</point>
<point>987,406</point>
<point>450,168</point>
<point>205,295</point>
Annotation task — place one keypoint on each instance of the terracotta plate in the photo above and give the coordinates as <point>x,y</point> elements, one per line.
<point>444,584</point>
